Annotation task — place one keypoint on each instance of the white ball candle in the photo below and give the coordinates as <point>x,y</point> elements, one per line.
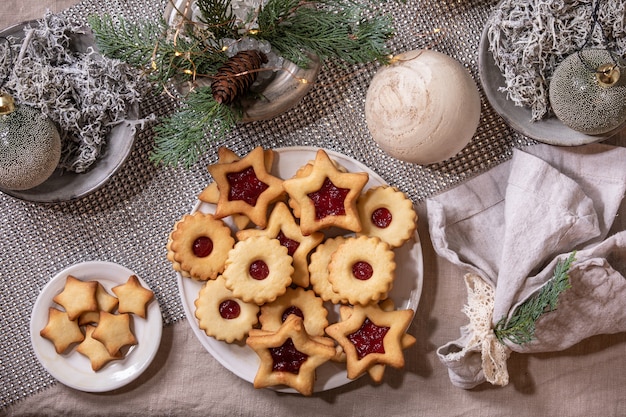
<point>422,108</point>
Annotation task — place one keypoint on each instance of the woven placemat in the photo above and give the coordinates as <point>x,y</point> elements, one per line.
<point>128,220</point>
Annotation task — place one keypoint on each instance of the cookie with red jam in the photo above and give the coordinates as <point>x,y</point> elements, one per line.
<point>282,226</point>
<point>326,197</point>
<point>211,193</point>
<point>387,213</point>
<point>246,187</point>
<point>372,338</point>
<point>221,315</point>
<point>258,270</point>
<point>362,270</point>
<point>289,356</point>
<point>199,246</point>
<point>303,303</point>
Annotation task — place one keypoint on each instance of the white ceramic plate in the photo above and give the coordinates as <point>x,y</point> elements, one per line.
<point>72,368</point>
<point>550,130</point>
<point>65,185</point>
<point>243,361</point>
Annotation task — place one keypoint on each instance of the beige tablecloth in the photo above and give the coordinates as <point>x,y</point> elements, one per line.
<point>587,379</point>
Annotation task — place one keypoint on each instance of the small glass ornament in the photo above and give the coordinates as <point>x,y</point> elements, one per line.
<point>588,92</point>
<point>30,146</point>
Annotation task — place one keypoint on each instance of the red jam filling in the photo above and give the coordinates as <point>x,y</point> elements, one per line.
<point>368,339</point>
<point>259,270</point>
<point>229,309</point>
<point>329,200</point>
<point>362,270</point>
<point>287,358</point>
<point>291,244</point>
<point>245,185</point>
<point>381,217</point>
<point>202,247</point>
<point>292,310</point>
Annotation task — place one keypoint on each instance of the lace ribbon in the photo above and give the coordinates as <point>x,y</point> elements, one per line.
<point>479,310</point>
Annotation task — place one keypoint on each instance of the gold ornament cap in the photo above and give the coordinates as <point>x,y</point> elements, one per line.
<point>7,104</point>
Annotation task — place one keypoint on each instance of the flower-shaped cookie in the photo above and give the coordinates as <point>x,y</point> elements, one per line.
<point>246,187</point>
<point>387,213</point>
<point>199,245</point>
<point>326,197</point>
<point>362,270</point>
<point>371,337</point>
<point>303,303</point>
<point>289,356</point>
<point>258,270</point>
<point>221,315</point>
<point>282,226</point>
<point>318,270</point>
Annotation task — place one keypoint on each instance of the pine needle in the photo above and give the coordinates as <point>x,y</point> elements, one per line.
<point>186,135</point>
<point>331,30</point>
<point>520,328</point>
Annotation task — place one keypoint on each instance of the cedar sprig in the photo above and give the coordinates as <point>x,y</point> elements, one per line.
<point>218,16</point>
<point>329,29</point>
<point>520,328</point>
<point>183,137</point>
<point>162,52</point>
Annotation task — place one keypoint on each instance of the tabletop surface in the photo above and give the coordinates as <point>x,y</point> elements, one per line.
<point>127,221</point>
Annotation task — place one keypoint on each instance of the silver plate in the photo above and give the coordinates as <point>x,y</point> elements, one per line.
<point>550,130</point>
<point>65,185</point>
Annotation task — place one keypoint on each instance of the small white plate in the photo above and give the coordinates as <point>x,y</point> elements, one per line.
<point>72,368</point>
<point>242,360</point>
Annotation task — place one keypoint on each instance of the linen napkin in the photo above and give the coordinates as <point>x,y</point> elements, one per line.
<point>509,228</point>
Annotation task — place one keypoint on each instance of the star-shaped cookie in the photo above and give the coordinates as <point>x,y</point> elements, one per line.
<point>327,196</point>
<point>211,193</point>
<point>371,336</point>
<point>282,226</point>
<point>60,330</point>
<point>105,302</point>
<point>77,297</point>
<point>133,297</point>
<point>289,356</point>
<point>246,187</point>
<point>95,351</point>
<point>114,332</point>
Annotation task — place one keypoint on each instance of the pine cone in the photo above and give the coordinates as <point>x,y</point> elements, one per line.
<point>234,78</point>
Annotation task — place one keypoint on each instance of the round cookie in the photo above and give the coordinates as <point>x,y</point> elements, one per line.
<point>318,269</point>
<point>221,315</point>
<point>362,270</point>
<point>200,245</point>
<point>258,269</point>
<point>301,302</point>
<point>387,213</point>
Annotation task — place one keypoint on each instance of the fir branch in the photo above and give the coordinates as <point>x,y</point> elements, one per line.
<point>218,16</point>
<point>146,45</point>
<point>332,30</point>
<point>183,137</point>
<point>520,328</point>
